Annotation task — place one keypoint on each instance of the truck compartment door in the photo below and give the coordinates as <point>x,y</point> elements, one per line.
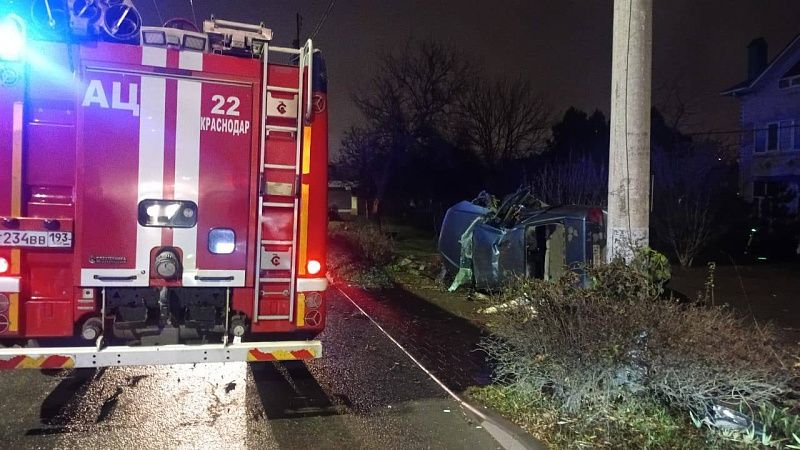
<point>155,146</point>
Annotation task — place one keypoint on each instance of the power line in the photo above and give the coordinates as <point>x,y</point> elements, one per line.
<point>158,13</point>
<point>194,15</point>
<point>323,19</point>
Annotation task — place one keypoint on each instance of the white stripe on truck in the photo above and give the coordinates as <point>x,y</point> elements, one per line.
<point>189,60</point>
<point>152,120</point>
<point>187,170</point>
<point>154,56</point>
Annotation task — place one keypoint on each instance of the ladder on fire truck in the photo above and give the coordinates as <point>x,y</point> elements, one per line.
<point>291,199</point>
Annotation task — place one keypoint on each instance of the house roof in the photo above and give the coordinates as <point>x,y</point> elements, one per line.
<point>794,71</point>
<point>747,85</point>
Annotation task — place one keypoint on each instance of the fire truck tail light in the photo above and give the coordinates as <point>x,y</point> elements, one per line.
<point>4,266</point>
<point>5,302</point>
<point>314,267</point>
<point>12,38</point>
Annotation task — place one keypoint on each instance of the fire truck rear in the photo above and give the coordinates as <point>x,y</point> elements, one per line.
<point>162,190</point>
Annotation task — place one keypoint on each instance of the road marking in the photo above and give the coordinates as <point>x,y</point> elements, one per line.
<point>507,439</point>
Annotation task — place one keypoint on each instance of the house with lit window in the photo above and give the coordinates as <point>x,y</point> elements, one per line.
<point>769,152</point>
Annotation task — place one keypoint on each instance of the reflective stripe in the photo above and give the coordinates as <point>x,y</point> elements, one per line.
<point>16,160</point>
<point>256,355</point>
<point>306,150</point>
<point>16,261</point>
<point>40,362</point>
<point>13,312</point>
<point>9,284</point>
<point>154,56</point>
<point>151,161</point>
<point>189,60</point>
<point>187,169</point>
<point>16,177</point>
<point>303,238</point>
<point>312,284</point>
<point>301,309</point>
<point>66,357</point>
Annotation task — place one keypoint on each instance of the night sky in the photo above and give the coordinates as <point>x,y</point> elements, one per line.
<point>563,46</point>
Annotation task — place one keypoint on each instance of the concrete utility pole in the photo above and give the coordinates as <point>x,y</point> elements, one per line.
<point>629,158</point>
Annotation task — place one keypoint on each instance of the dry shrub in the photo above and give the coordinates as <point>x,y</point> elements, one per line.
<point>365,240</point>
<point>359,253</point>
<point>590,348</point>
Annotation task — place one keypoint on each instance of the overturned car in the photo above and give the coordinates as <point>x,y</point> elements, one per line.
<point>487,243</point>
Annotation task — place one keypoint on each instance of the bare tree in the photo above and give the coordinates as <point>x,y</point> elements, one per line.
<point>579,182</point>
<point>503,121</point>
<point>678,109</point>
<point>360,158</point>
<point>414,90</point>
<point>685,207</point>
<point>410,103</point>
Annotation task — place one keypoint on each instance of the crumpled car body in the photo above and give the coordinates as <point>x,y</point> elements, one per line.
<point>538,243</point>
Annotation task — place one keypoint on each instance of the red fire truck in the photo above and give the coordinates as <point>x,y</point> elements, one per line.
<point>162,190</point>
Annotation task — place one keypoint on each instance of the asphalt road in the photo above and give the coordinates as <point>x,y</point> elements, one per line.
<point>365,393</point>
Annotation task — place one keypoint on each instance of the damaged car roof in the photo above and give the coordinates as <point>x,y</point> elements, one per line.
<point>488,243</point>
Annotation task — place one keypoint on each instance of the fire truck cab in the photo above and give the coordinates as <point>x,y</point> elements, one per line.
<point>162,191</point>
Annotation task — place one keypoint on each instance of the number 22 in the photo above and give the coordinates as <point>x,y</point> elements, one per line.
<point>233,105</point>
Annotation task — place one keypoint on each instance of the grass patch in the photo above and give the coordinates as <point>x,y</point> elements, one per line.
<point>633,424</point>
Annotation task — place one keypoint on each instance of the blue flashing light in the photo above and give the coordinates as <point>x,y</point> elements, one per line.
<point>12,38</point>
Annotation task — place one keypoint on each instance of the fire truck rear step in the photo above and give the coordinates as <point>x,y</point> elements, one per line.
<point>85,357</point>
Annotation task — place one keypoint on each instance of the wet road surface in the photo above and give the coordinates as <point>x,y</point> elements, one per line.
<point>445,344</point>
<point>365,393</point>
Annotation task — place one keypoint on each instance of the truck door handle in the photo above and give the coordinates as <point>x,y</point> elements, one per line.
<point>199,278</point>
<point>102,278</point>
